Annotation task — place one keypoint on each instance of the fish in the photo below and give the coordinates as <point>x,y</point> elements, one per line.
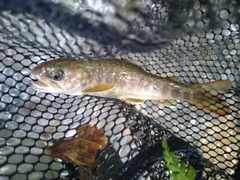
<point>124,80</point>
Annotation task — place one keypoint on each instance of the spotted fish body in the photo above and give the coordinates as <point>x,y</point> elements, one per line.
<point>130,81</point>
<point>123,80</point>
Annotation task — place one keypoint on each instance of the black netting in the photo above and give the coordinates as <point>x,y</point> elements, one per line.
<point>198,41</point>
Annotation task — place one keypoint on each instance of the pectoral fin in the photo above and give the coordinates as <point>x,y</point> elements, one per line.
<point>134,101</point>
<point>166,102</point>
<point>99,88</point>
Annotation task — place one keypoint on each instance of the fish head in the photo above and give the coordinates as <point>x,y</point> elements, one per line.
<point>58,76</point>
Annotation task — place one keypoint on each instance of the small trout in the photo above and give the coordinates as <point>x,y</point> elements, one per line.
<point>121,79</point>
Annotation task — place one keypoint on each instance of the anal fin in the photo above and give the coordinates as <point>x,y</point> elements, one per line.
<point>174,78</point>
<point>166,102</point>
<point>134,101</point>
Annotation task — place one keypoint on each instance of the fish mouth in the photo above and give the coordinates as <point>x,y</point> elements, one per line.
<point>41,86</point>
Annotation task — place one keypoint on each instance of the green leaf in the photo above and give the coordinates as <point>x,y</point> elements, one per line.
<point>175,159</point>
<point>178,176</point>
<point>173,168</point>
<point>183,167</point>
<point>191,174</point>
<point>168,159</point>
<point>164,144</point>
<point>178,169</point>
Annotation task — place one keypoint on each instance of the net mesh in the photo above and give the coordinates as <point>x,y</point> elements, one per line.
<point>198,41</point>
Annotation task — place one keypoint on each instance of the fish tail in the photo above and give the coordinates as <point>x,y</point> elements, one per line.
<point>207,96</point>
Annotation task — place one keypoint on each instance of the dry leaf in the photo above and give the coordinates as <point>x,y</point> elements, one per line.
<point>80,150</point>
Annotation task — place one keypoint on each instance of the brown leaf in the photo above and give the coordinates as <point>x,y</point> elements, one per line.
<point>80,150</point>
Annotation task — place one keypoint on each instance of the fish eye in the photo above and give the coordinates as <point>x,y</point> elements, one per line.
<point>57,74</point>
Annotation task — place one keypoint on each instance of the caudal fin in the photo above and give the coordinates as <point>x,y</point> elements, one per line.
<point>207,96</point>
